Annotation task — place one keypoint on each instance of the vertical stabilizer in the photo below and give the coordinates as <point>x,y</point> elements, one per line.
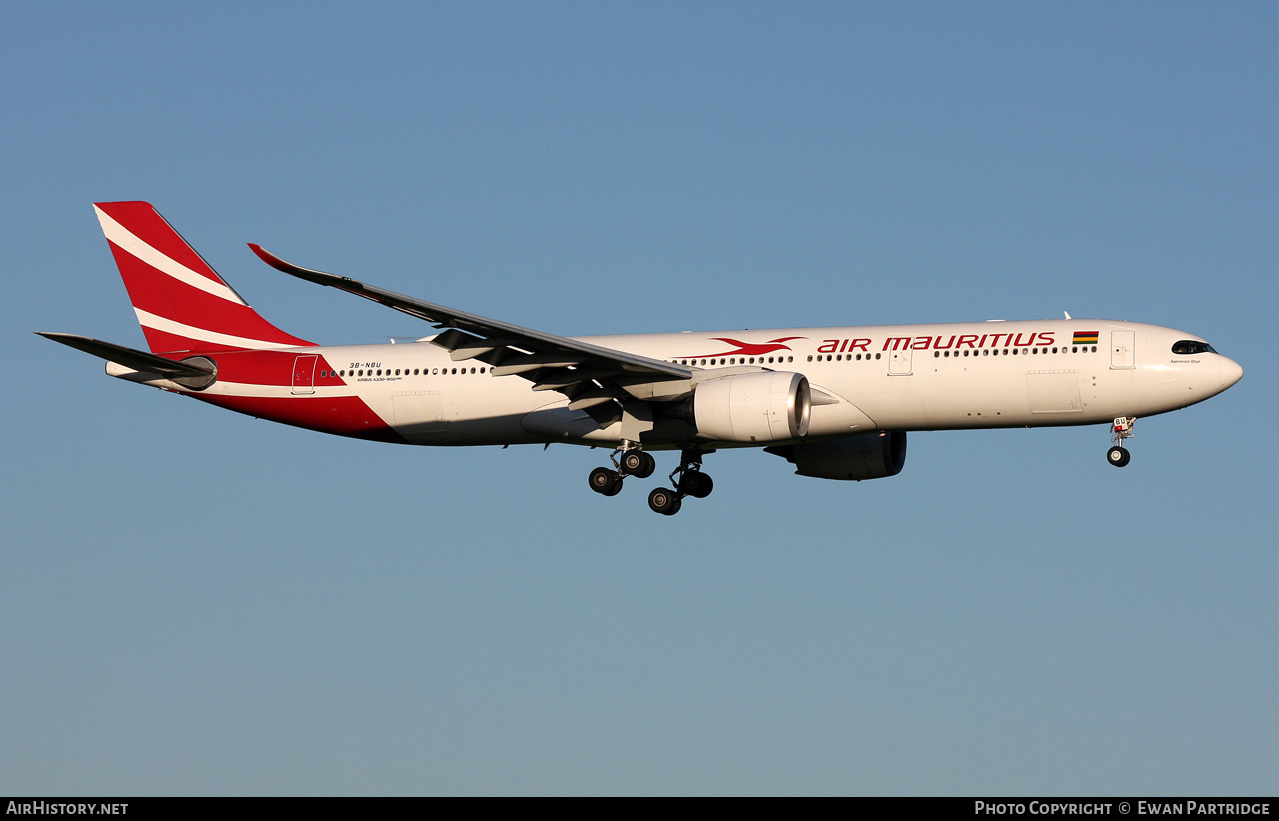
<point>181,302</point>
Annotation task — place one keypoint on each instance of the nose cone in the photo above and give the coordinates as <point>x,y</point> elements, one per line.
<point>1230,372</point>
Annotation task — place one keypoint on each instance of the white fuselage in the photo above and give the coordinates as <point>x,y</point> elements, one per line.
<point>900,377</point>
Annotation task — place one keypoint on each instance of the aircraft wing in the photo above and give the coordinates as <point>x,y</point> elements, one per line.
<point>591,376</point>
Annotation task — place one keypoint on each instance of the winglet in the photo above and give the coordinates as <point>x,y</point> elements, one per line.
<point>318,277</point>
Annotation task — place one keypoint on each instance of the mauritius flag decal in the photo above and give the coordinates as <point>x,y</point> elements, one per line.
<point>1085,338</point>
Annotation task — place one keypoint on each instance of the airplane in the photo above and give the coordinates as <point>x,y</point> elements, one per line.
<point>835,402</point>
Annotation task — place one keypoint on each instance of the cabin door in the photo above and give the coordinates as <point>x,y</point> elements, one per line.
<point>1123,352</point>
<point>899,363</point>
<point>304,374</point>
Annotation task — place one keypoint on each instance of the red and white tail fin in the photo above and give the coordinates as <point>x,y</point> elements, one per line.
<point>181,302</point>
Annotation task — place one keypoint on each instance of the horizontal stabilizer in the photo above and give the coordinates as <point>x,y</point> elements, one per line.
<point>130,358</point>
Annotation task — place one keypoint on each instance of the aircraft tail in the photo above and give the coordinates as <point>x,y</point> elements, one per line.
<point>181,302</point>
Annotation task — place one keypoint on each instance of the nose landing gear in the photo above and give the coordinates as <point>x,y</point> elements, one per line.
<point>1121,429</point>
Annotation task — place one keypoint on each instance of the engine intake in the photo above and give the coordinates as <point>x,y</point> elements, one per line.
<point>772,406</point>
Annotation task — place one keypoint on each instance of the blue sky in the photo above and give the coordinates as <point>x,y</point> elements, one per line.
<point>198,602</point>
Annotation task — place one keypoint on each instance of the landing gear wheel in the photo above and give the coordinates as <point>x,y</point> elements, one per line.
<point>696,484</point>
<point>664,500</point>
<point>1118,456</point>
<point>605,481</point>
<point>638,463</point>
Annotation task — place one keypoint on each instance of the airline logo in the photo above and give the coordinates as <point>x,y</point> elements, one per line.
<point>749,349</point>
<point>1085,338</point>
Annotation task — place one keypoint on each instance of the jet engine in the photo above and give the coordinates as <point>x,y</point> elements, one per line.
<point>772,406</point>
<point>854,458</point>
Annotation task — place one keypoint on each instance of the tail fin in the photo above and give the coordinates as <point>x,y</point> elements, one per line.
<point>181,302</point>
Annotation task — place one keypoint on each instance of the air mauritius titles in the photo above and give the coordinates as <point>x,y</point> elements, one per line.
<point>1035,339</point>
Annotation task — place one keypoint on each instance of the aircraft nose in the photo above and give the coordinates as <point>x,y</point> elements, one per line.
<point>1230,372</point>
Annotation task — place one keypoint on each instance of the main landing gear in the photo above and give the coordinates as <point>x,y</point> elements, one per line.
<point>628,460</point>
<point>687,479</point>
<point>1122,429</point>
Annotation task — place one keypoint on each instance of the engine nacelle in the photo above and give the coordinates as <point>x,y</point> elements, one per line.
<point>854,458</point>
<point>771,406</point>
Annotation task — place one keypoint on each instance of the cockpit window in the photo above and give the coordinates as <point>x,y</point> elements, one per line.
<point>1191,346</point>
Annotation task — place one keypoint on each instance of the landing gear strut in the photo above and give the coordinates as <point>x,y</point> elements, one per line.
<point>691,481</point>
<point>1121,429</point>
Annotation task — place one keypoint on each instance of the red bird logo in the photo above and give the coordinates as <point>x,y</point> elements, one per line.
<point>750,349</point>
